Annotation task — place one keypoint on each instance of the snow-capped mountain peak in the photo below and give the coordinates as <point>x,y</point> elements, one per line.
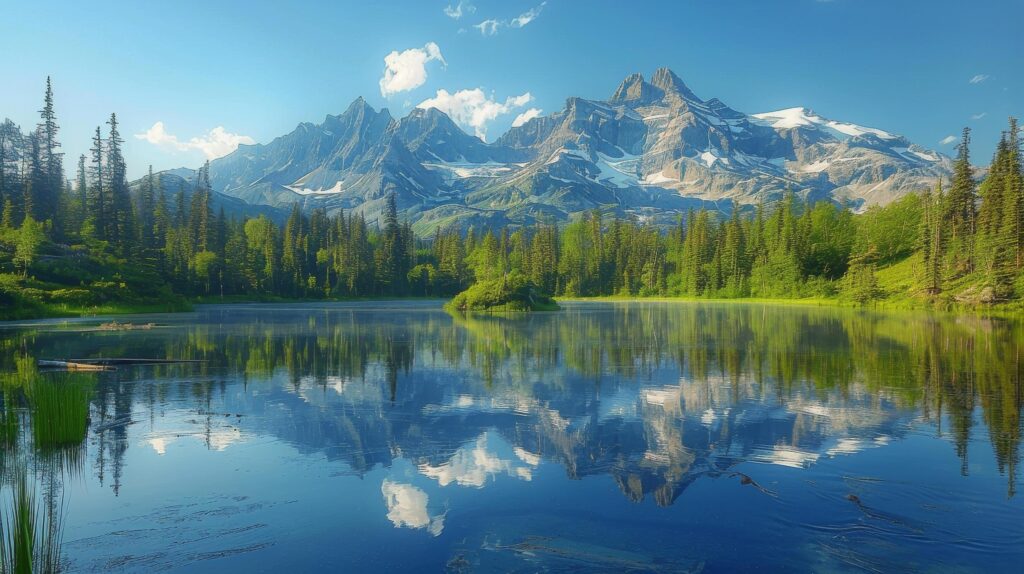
<point>654,149</point>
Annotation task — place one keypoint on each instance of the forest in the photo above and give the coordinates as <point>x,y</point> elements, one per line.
<point>89,242</point>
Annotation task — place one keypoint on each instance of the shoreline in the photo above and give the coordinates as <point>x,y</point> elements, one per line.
<point>1011,310</point>
<point>1014,309</point>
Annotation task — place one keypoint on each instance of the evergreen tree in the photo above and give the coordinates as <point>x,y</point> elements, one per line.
<point>36,201</point>
<point>97,208</point>
<point>959,218</point>
<point>932,248</point>
<point>147,211</point>
<point>1012,227</point>
<point>48,189</point>
<point>122,213</point>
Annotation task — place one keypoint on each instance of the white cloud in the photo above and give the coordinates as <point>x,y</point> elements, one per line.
<point>473,108</point>
<point>979,116</point>
<point>475,463</point>
<point>459,10</point>
<point>218,142</point>
<point>528,16</point>
<point>404,71</point>
<point>947,140</point>
<point>526,116</point>
<point>407,506</point>
<point>979,78</point>
<point>488,27</point>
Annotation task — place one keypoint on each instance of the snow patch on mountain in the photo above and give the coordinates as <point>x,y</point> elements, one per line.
<point>620,171</point>
<point>462,170</point>
<point>336,188</point>
<point>802,117</point>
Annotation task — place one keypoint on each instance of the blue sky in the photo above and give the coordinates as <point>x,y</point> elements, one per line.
<point>257,68</point>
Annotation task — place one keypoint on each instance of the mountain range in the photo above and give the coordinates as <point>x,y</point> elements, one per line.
<point>653,150</point>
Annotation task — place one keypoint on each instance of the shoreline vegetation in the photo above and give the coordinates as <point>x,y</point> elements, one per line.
<point>1012,309</point>
<point>95,245</point>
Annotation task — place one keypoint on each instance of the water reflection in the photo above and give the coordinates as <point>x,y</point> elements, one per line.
<point>655,396</point>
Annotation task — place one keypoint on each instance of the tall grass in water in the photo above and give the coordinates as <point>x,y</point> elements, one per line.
<point>58,413</point>
<point>60,409</point>
<point>30,536</point>
<point>10,431</point>
<point>9,423</point>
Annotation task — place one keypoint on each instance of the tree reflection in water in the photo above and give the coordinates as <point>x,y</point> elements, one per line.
<point>655,395</point>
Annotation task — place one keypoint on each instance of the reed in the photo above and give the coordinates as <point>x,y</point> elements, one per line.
<point>60,409</point>
<point>9,423</point>
<point>30,535</point>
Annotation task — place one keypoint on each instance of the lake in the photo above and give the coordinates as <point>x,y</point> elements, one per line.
<point>620,437</point>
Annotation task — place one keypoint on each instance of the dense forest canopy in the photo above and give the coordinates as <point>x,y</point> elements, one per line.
<point>84,241</point>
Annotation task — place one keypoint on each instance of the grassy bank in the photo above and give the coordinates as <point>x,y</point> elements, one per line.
<point>47,310</point>
<point>896,291</point>
<point>82,287</point>
<point>30,309</point>
<point>897,304</point>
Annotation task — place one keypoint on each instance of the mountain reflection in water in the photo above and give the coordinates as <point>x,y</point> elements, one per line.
<point>662,398</point>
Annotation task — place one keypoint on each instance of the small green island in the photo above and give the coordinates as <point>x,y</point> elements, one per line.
<point>513,292</point>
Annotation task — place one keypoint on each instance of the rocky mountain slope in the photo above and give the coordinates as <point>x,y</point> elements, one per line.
<point>653,149</point>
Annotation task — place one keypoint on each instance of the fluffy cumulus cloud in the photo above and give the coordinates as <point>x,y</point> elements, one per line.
<point>218,142</point>
<point>947,140</point>
<point>474,108</point>
<point>979,78</point>
<point>456,11</point>
<point>404,71</point>
<point>490,27</point>
<point>526,116</point>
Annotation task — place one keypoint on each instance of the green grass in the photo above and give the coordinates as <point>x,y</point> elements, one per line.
<point>30,536</point>
<point>60,410</point>
<point>58,407</point>
<point>55,295</point>
<point>897,284</point>
<point>9,424</point>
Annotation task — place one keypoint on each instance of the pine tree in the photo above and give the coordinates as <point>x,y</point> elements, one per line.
<point>81,195</point>
<point>11,193</point>
<point>52,182</point>
<point>931,240</point>
<point>733,257</point>
<point>147,210</point>
<point>393,261</point>
<point>1012,227</point>
<point>960,216</point>
<point>161,224</point>
<point>122,221</point>
<point>291,256</point>
<point>36,202</point>
<point>97,208</point>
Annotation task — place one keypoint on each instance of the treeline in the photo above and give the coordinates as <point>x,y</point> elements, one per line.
<point>961,245</point>
<point>93,239</point>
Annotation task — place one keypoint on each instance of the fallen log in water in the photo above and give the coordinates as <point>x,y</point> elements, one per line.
<point>103,364</point>
<point>72,366</point>
<point>115,361</point>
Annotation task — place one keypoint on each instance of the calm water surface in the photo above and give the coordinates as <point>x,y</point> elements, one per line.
<point>633,437</point>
